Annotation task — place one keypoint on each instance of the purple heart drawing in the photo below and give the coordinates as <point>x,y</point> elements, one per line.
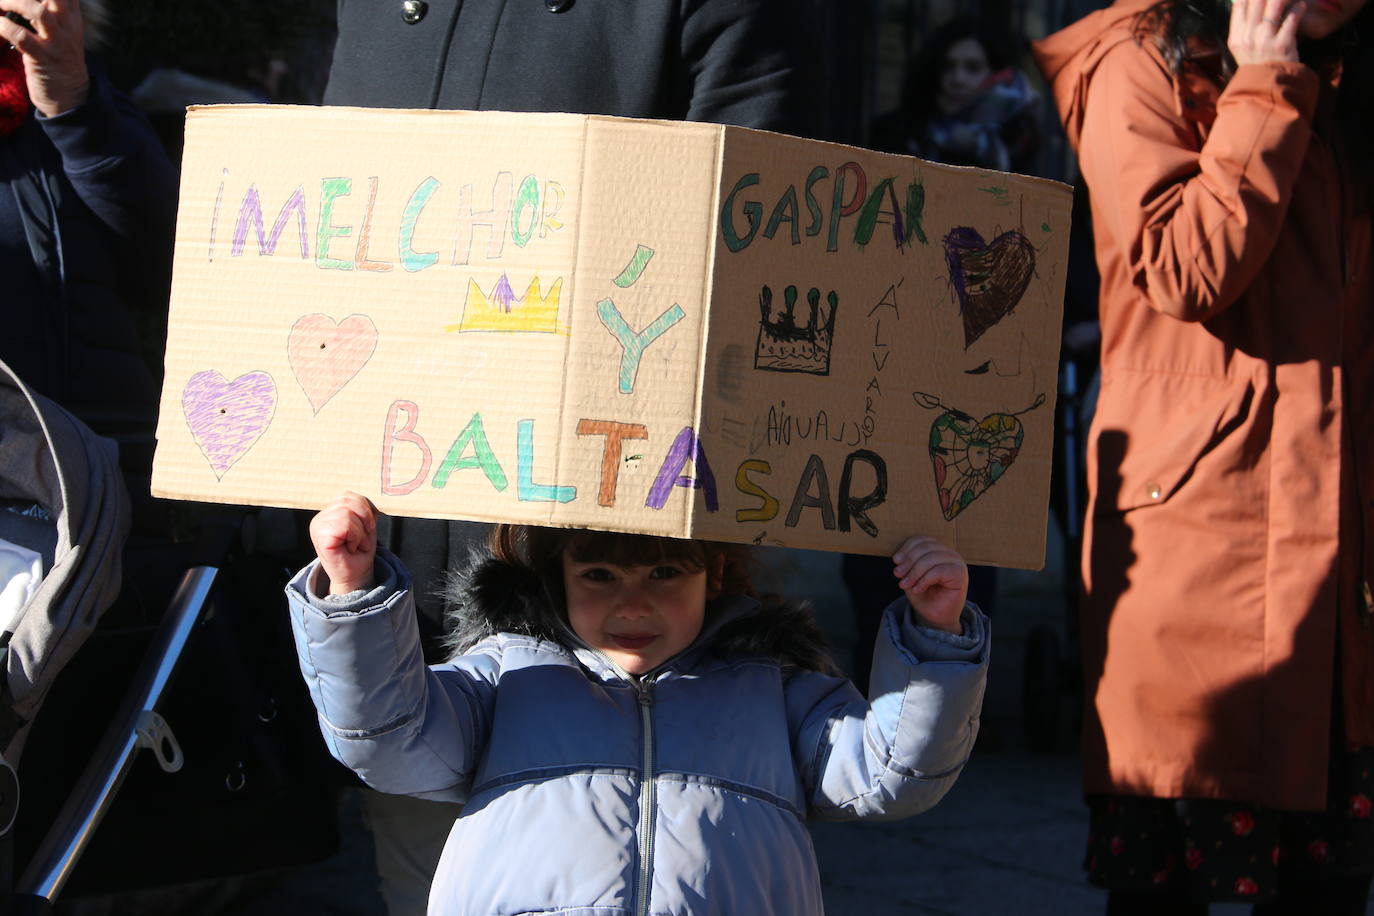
<point>989,277</point>
<point>226,417</point>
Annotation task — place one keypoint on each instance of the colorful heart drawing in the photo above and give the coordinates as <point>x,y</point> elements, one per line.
<point>970,455</point>
<point>226,417</point>
<point>325,354</point>
<point>989,277</point>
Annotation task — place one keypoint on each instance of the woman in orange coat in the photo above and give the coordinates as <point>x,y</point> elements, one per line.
<point>1227,631</point>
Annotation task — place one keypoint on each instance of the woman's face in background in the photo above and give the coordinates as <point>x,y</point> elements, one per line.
<point>966,67</point>
<point>1325,17</point>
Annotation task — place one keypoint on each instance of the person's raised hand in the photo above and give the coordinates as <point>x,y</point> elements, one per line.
<point>935,580</point>
<point>54,51</point>
<point>344,534</point>
<point>1264,31</point>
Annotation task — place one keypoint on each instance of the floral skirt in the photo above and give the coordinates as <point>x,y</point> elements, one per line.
<point>1220,851</point>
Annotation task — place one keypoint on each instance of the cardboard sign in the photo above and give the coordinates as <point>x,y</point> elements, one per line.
<point>673,328</point>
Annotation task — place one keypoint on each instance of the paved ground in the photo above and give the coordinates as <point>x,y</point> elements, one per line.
<point>1005,840</point>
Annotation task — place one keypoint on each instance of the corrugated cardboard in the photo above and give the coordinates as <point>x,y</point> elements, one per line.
<point>675,328</point>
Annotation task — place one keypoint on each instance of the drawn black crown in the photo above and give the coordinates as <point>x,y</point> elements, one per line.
<point>784,345</point>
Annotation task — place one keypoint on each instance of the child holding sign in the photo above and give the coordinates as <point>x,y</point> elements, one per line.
<point>628,727</point>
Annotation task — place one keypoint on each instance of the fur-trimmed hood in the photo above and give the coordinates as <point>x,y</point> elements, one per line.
<point>489,596</point>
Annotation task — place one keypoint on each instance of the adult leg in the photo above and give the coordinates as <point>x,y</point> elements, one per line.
<point>1121,903</point>
<point>409,834</point>
<point>1310,894</point>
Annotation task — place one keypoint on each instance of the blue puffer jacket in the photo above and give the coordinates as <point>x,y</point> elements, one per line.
<point>589,792</point>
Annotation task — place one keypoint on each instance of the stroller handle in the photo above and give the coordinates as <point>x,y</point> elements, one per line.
<point>57,855</point>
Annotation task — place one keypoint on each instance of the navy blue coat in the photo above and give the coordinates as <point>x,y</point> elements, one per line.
<point>87,209</point>
<point>753,63</point>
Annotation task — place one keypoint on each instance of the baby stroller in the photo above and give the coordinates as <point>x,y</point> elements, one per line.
<point>64,517</point>
<point>197,635</point>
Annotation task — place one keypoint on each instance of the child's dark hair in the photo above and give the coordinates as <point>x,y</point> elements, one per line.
<point>540,551</point>
<point>783,630</point>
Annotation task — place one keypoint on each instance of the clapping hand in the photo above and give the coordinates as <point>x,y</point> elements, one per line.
<point>935,580</point>
<point>345,537</point>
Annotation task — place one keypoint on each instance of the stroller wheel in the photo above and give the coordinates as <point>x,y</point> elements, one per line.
<point>9,796</point>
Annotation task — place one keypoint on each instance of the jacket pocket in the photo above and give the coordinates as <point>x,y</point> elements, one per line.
<point>1152,431</point>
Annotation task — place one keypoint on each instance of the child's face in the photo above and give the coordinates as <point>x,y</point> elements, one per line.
<point>639,616</point>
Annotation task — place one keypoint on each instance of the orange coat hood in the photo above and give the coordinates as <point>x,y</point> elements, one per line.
<point>1069,57</point>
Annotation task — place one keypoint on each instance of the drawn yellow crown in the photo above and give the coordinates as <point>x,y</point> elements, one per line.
<point>500,310</point>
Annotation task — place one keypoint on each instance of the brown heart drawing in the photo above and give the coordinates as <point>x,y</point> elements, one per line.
<point>325,354</point>
<point>988,277</point>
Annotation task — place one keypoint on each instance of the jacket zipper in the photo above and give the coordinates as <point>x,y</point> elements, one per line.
<point>643,688</point>
<point>646,800</point>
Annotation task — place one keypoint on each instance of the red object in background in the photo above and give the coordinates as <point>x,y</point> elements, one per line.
<point>1242,822</point>
<point>14,92</point>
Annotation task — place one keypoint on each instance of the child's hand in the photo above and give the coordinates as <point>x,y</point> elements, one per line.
<point>935,580</point>
<point>345,538</point>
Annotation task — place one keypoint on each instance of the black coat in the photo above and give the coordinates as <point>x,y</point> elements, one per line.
<point>754,63</point>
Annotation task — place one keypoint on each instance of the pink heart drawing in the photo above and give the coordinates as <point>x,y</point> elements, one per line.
<point>226,417</point>
<point>325,354</point>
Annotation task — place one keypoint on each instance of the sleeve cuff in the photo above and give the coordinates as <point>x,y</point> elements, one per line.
<point>387,573</point>
<point>928,644</point>
<point>90,133</point>
<point>1294,81</point>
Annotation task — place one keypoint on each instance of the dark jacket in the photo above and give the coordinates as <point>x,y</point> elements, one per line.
<point>753,63</point>
<point>685,790</point>
<point>87,207</point>
<point>997,130</point>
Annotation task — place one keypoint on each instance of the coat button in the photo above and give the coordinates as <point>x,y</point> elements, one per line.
<point>557,6</point>
<point>1153,490</point>
<point>412,11</point>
